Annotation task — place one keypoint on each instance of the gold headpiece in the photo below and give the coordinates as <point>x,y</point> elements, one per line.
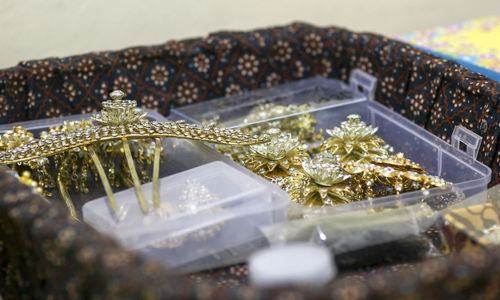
<point>120,121</point>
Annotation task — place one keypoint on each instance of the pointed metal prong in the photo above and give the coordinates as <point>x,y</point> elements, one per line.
<point>66,197</point>
<point>104,179</point>
<point>135,177</point>
<point>156,173</point>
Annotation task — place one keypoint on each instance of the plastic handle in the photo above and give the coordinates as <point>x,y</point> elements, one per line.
<point>363,83</point>
<point>462,135</point>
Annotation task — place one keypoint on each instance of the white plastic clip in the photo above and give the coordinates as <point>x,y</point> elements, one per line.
<point>462,135</point>
<point>363,83</point>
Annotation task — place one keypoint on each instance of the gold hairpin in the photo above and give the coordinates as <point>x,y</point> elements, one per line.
<point>120,121</point>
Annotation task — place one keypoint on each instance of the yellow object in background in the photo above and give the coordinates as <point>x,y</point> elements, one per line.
<point>476,41</point>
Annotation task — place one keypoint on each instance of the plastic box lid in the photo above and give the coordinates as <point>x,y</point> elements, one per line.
<point>190,200</point>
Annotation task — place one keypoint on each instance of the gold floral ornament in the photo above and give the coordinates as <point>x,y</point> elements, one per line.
<point>27,180</point>
<point>299,123</point>
<point>16,137</point>
<point>377,181</point>
<point>290,118</point>
<point>120,120</point>
<point>279,157</point>
<point>355,141</point>
<point>398,162</point>
<point>119,112</point>
<point>37,168</point>
<point>322,183</point>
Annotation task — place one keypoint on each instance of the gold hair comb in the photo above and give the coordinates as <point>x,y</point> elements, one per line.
<point>120,121</point>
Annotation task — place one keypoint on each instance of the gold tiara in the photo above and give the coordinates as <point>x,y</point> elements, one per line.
<point>119,120</point>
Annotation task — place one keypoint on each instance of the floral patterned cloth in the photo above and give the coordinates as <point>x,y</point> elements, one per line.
<point>45,254</point>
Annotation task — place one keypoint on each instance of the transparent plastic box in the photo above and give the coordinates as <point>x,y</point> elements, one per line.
<point>204,210</point>
<point>230,111</point>
<point>467,175</point>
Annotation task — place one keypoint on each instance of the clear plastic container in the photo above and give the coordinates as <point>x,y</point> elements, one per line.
<point>317,92</point>
<point>203,211</point>
<point>467,175</point>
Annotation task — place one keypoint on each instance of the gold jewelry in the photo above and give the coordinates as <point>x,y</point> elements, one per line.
<point>355,141</point>
<point>277,158</point>
<point>321,183</point>
<point>298,122</point>
<point>27,180</point>
<point>120,120</point>
<point>352,164</point>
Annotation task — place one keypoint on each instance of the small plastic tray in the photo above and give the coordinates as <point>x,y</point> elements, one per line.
<point>206,209</point>
<point>433,154</point>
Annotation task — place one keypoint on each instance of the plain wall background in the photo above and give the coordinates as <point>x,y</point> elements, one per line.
<point>34,29</point>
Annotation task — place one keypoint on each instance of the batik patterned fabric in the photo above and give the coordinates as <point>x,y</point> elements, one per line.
<point>45,254</point>
<point>435,93</point>
<point>476,41</point>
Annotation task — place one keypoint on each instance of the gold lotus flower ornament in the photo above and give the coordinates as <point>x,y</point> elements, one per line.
<point>278,147</point>
<point>322,183</point>
<point>354,140</point>
<point>118,111</point>
<point>278,157</point>
<point>324,173</point>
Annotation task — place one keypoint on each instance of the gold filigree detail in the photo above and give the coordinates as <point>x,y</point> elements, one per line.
<point>298,122</point>
<point>14,138</point>
<point>354,140</point>
<point>321,183</point>
<point>280,156</point>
